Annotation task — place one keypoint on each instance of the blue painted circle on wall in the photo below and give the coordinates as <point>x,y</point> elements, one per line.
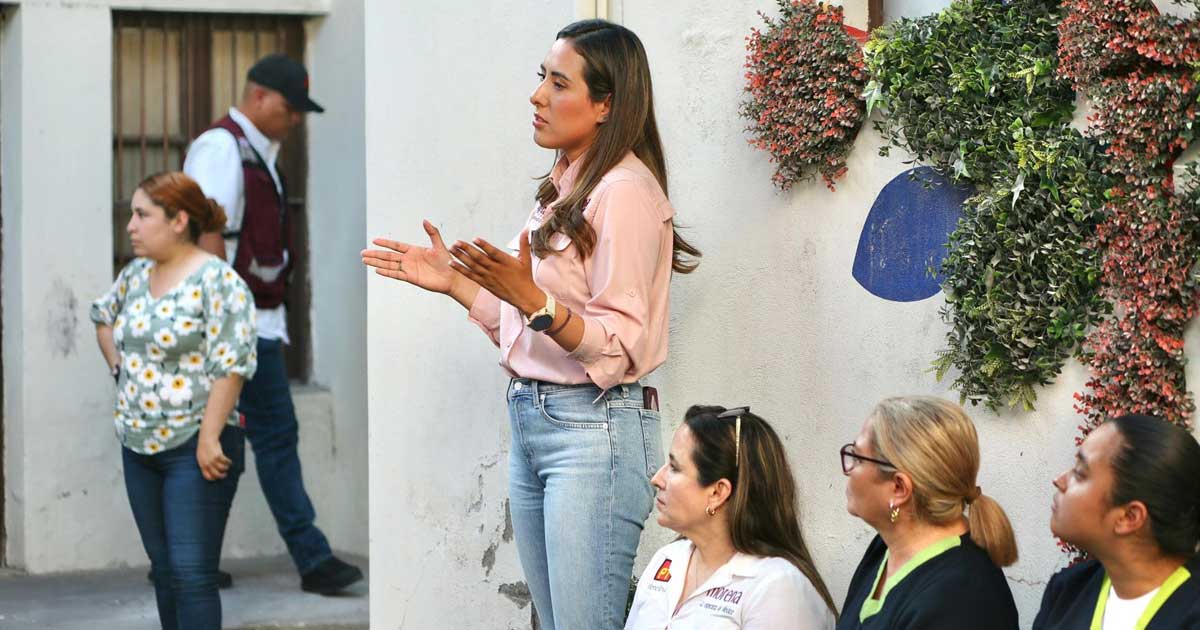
<point>905,235</point>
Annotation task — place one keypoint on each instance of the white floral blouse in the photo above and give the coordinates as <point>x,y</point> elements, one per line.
<point>173,347</point>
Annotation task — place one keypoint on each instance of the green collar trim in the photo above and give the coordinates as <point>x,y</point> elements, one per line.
<point>1164,593</point>
<point>870,605</point>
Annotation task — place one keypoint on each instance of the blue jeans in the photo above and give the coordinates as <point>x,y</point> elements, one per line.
<point>274,434</point>
<point>579,486</point>
<point>181,518</point>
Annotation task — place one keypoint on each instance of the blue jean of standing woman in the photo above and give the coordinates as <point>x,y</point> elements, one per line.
<point>579,471</point>
<point>181,518</point>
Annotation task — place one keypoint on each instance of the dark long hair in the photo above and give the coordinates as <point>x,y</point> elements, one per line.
<point>614,67</point>
<point>1158,464</point>
<point>763,516</point>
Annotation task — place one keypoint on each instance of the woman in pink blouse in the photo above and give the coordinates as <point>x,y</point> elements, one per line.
<point>580,315</point>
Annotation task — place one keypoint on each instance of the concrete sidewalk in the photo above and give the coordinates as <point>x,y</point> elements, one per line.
<point>265,595</point>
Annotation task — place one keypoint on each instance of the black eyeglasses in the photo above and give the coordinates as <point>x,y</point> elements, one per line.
<point>735,413</point>
<point>850,458</point>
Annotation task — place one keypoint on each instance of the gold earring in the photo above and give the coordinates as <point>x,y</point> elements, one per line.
<point>894,511</point>
<point>710,511</point>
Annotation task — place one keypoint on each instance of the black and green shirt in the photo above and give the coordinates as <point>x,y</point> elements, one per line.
<point>950,585</point>
<point>1072,600</point>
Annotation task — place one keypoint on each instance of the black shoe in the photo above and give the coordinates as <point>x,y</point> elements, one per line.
<point>330,577</point>
<point>224,580</point>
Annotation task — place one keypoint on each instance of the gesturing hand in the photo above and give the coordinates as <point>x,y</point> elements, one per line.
<point>425,267</point>
<point>507,277</point>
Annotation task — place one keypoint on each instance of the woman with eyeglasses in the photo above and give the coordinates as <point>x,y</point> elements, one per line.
<point>1132,502</point>
<point>741,561</point>
<point>910,474</point>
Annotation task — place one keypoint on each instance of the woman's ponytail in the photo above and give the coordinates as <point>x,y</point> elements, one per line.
<point>991,530</point>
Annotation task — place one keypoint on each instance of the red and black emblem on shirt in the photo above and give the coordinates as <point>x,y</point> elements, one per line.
<point>664,572</point>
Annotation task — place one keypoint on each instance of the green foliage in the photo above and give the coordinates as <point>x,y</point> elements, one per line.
<point>1022,277</point>
<point>950,84</point>
<point>973,92</point>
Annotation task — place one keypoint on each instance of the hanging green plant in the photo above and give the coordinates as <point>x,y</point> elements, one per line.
<point>804,80</point>
<point>973,92</point>
<point>1021,276</point>
<point>950,84</point>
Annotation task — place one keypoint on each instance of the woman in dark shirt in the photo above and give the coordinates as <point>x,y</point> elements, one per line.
<point>1132,502</point>
<point>910,475</point>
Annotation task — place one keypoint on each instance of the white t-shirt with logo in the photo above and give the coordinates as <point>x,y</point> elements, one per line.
<point>746,593</point>
<point>1123,614</point>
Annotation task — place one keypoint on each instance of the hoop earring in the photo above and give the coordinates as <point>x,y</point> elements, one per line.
<point>894,512</point>
<point>710,511</point>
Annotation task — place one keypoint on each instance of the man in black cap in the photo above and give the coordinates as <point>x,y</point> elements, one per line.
<point>234,163</point>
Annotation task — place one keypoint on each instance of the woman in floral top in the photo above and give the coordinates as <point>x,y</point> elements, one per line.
<point>177,332</point>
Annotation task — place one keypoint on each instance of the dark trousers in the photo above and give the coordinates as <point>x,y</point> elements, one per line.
<point>274,434</point>
<point>181,518</point>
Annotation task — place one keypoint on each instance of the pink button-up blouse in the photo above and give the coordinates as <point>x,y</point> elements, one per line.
<point>621,291</point>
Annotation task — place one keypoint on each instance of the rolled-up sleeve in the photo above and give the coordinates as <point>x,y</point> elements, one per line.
<point>214,162</point>
<point>105,309</point>
<point>629,237</point>
<point>485,313</point>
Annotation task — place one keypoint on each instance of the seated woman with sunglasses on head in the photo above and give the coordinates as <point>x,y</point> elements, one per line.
<point>910,475</point>
<point>741,561</point>
<point>1132,502</point>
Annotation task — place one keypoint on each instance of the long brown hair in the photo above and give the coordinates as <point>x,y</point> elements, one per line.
<point>934,442</point>
<point>614,67</point>
<point>175,192</point>
<point>764,519</point>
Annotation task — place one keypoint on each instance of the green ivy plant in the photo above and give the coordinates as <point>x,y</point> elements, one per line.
<point>1021,276</point>
<point>950,84</point>
<point>972,91</point>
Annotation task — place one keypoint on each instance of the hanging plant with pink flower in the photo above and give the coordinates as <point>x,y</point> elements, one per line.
<point>804,82</point>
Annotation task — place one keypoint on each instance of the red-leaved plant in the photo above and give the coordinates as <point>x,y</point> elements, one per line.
<point>1136,65</point>
<point>804,80</point>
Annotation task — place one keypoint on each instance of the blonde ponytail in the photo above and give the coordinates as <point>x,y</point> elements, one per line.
<point>991,530</point>
<point>933,441</point>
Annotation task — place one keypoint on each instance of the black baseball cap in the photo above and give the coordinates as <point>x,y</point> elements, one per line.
<point>286,76</point>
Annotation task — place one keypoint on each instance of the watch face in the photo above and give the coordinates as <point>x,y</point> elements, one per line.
<point>541,322</point>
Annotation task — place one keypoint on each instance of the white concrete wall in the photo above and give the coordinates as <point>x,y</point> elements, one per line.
<point>894,9</point>
<point>61,460</point>
<point>64,495</point>
<point>772,318</point>
<point>337,222</point>
<point>449,139</point>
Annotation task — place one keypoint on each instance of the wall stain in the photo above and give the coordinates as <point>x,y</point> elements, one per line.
<point>489,559</point>
<point>478,502</point>
<point>517,593</point>
<point>507,536</point>
<point>62,318</point>
<point>488,562</point>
